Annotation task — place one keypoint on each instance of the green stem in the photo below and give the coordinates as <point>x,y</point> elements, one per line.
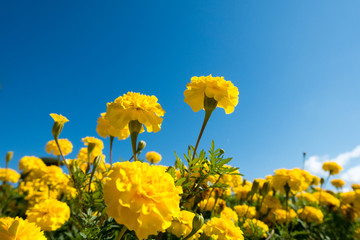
<point>212,190</point>
<point>133,144</point>
<point>111,144</point>
<point>206,119</point>
<point>135,128</point>
<point>121,233</point>
<point>62,155</point>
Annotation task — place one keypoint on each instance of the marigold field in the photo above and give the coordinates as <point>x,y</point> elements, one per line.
<point>202,196</point>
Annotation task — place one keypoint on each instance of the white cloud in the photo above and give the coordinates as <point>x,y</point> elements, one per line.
<point>314,165</point>
<point>352,175</point>
<point>343,158</point>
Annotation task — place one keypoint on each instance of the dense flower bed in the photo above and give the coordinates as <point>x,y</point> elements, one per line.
<point>201,197</point>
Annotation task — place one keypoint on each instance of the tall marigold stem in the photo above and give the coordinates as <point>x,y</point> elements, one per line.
<point>62,155</point>
<point>209,106</point>
<point>206,119</point>
<point>111,144</point>
<point>134,127</point>
<point>121,233</point>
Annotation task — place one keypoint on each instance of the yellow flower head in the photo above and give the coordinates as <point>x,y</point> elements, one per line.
<point>135,106</point>
<point>332,167</point>
<point>49,214</point>
<point>338,183</point>
<point>255,227</point>
<point>241,191</point>
<point>241,210</point>
<point>222,229</point>
<point>59,118</point>
<point>347,197</point>
<point>182,224</point>
<point>228,213</point>
<point>281,216</point>
<point>357,200</point>
<point>32,165</point>
<point>153,157</point>
<point>307,179</point>
<point>224,92</point>
<point>97,142</point>
<point>53,175</point>
<point>291,178</point>
<point>311,214</point>
<point>105,129</point>
<point>355,186</point>
<point>19,229</point>
<point>208,204</point>
<point>325,198</point>
<point>65,145</point>
<point>350,212</point>
<point>270,202</point>
<point>310,198</point>
<point>142,197</point>
<point>9,175</point>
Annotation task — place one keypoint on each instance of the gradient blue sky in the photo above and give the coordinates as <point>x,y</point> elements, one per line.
<point>295,63</point>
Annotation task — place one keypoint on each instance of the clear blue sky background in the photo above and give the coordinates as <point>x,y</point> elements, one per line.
<point>295,63</point>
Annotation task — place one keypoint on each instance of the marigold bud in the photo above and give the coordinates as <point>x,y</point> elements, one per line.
<point>198,222</point>
<point>254,187</point>
<point>141,145</point>
<point>9,156</point>
<point>265,189</point>
<point>58,124</point>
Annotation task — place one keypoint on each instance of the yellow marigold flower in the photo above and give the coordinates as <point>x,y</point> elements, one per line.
<point>208,204</point>
<point>19,229</point>
<point>307,179</point>
<point>224,92</point>
<point>29,163</point>
<point>255,227</point>
<point>99,145</point>
<point>241,192</point>
<point>283,177</point>
<point>142,197</point>
<point>311,214</point>
<point>135,106</point>
<point>231,180</point>
<point>153,157</point>
<point>332,167</point>
<point>338,183</point>
<point>222,229</point>
<point>32,165</point>
<point>326,198</point>
<point>357,200</point>
<point>9,175</point>
<point>307,197</point>
<point>59,118</point>
<point>49,214</point>
<point>241,210</point>
<point>270,202</point>
<point>347,197</point>
<point>228,213</point>
<point>182,224</point>
<point>105,129</point>
<point>82,159</point>
<point>355,186</point>
<point>280,216</point>
<point>349,212</point>
<point>54,176</point>
<point>65,145</point>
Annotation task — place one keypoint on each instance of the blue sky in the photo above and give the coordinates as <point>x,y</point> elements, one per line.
<point>295,63</point>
